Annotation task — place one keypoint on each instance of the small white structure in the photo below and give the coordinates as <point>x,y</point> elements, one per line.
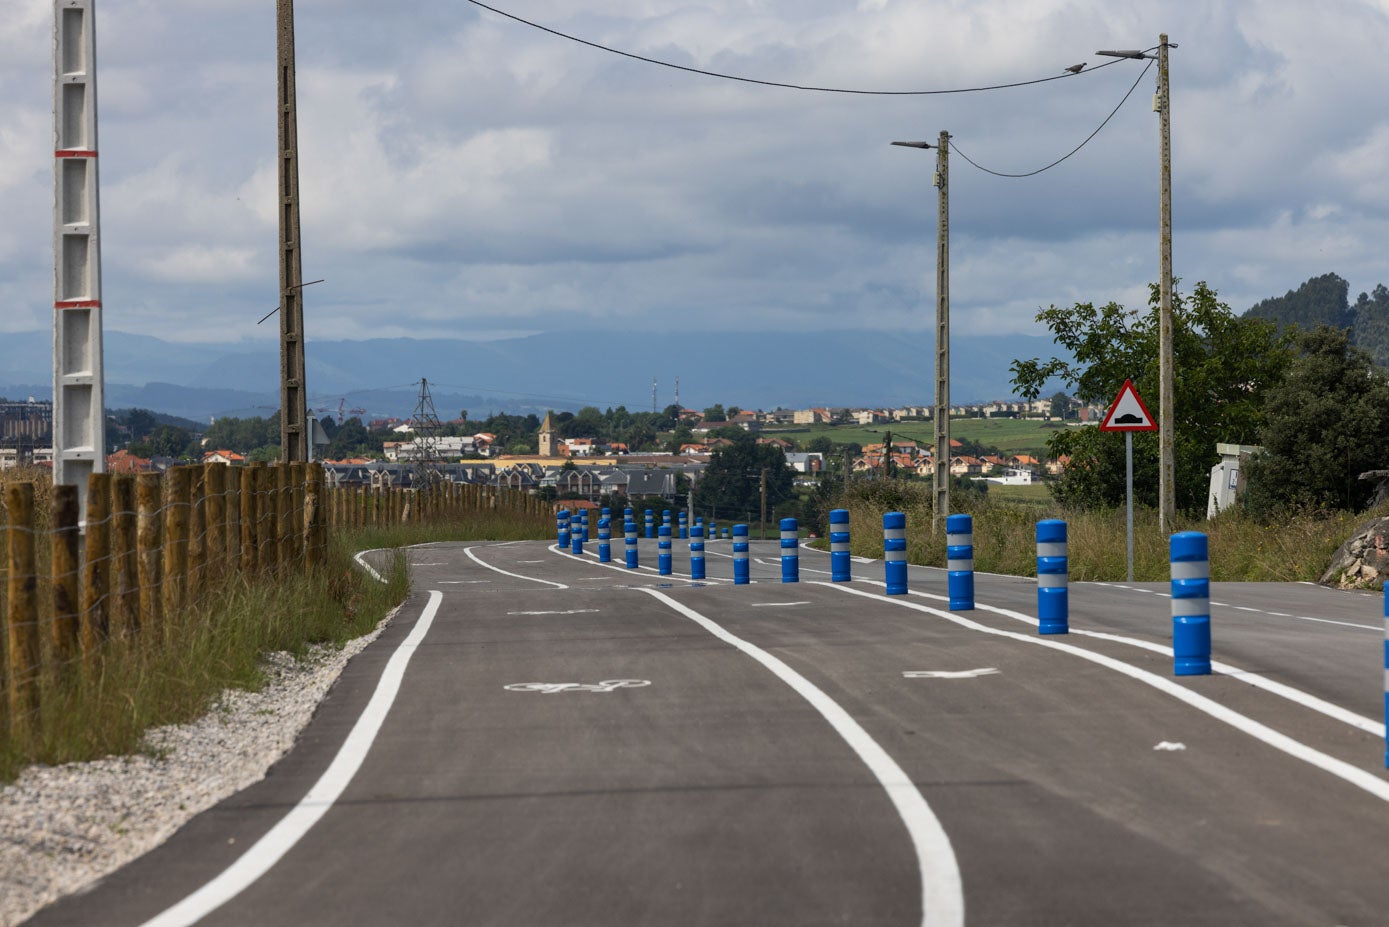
<point>1227,477</point>
<point>1011,476</point>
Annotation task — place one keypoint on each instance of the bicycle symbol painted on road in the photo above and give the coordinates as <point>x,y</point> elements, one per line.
<point>551,688</point>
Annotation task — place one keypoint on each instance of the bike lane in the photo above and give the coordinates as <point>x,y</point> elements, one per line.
<point>1071,793</point>
<point>713,794</point>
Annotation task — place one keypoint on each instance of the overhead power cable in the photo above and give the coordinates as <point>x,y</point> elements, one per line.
<point>773,83</point>
<point>1067,154</point>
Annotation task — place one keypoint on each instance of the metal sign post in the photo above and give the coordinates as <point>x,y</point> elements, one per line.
<point>1128,414</point>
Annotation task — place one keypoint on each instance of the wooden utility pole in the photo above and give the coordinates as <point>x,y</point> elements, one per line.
<point>294,432</point>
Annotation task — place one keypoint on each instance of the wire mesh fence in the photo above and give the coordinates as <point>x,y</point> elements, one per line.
<point>157,548</point>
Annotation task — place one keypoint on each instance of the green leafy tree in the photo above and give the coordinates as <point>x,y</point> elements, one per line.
<point>1320,301</point>
<point>1327,423</point>
<point>1224,367</point>
<point>715,413</point>
<point>732,481</point>
<point>1372,323</point>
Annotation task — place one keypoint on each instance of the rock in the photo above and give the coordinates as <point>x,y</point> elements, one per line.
<point>1363,560</point>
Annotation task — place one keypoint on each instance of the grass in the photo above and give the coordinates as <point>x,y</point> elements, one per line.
<point>1298,548</point>
<point>1007,435</point>
<point>136,685</point>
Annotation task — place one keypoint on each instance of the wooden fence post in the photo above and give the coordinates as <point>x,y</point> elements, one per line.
<point>215,489</point>
<point>176,520</point>
<point>197,534</point>
<point>315,518</point>
<point>233,552</point>
<point>284,516</point>
<point>23,608</point>
<point>64,570</point>
<point>267,522</point>
<point>249,506</point>
<point>96,572</point>
<point>125,559</point>
<point>298,474</point>
<point>149,491</point>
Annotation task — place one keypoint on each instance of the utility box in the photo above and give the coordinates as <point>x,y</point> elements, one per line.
<point>1227,477</point>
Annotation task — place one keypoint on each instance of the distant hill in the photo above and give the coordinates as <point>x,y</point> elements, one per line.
<point>1325,300</point>
<point>559,370</point>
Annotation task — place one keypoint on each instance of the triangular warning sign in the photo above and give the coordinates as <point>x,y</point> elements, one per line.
<point>1127,412</point>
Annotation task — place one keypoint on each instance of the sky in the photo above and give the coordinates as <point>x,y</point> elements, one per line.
<point>467,176</point>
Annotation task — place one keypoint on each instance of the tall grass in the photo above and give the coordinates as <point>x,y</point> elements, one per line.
<point>1297,548</point>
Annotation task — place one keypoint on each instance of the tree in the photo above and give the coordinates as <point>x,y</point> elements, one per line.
<point>1224,367</point>
<point>1060,405</point>
<point>1319,301</point>
<point>1327,423</point>
<point>715,413</point>
<point>732,481</point>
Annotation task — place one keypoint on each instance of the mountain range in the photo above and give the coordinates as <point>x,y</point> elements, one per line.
<point>556,370</point>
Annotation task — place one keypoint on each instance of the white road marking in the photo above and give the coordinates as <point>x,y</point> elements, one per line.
<point>367,566</point>
<point>278,841</point>
<point>572,611</point>
<point>473,557</point>
<point>949,674</point>
<point>1245,608</point>
<point>1359,778</point>
<point>942,894</point>
<point>427,564</point>
<point>1169,745</point>
<point>1282,690</point>
<point>464,582</point>
<point>776,604</point>
<point>551,688</point>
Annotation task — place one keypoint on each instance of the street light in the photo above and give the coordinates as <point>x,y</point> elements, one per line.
<point>1167,510</point>
<point>940,471</point>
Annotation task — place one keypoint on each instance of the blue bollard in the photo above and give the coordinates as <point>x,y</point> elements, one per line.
<point>665,518</point>
<point>790,551</point>
<point>895,552</point>
<point>605,548</point>
<point>650,524</point>
<point>840,570</point>
<point>684,520</point>
<point>1191,604</point>
<point>713,532</point>
<point>663,550</point>
<point>583,524</point>
<point>626,514</point>
<point>959,561</point>
<point>576,538</point>
<point>629,531</point>
<point>1053,597</point>
<point>562,528</point>
<point>697,552</point>
<point>741,571</point>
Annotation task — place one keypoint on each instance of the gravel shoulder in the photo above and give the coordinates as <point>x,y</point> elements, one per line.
<point>64,827</point>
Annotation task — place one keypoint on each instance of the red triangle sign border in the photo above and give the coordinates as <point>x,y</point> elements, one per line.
<point>1144,423</point>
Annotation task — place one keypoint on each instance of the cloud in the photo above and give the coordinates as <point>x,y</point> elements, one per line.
<point>462,172</point>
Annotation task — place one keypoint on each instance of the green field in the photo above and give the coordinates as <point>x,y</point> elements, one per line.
<point>1010,436</point>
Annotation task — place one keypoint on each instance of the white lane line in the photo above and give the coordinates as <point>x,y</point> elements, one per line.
<point>622,568</point>
<point>776,604</point>
<point>465,582</point>
<point>1273,687</point>
<point>367,566</point>
<point>942,894</point>
<point>1359,778</point>
<point>495,569</point>
<point>278,841</point>
<point>1244,608</point>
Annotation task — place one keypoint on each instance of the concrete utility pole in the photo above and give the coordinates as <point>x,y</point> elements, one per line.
<point>1167,471</point>
<point>294,431</point>
<point>940,471</point>
<point>79,419</point>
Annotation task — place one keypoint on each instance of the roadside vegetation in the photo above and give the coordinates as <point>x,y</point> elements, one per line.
<point>220,643</point>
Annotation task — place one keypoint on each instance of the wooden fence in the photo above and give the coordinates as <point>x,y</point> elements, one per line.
<point>155,544</point>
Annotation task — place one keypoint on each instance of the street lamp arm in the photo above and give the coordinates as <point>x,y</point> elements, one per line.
<point>1125,53</point>
<point>914,144</point>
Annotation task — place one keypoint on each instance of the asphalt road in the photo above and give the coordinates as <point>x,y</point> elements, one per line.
<point>573,743</point>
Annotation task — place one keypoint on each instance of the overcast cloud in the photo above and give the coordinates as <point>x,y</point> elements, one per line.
<point>466,176</point>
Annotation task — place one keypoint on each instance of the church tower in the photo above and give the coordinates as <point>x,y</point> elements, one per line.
<point>547,436</point>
